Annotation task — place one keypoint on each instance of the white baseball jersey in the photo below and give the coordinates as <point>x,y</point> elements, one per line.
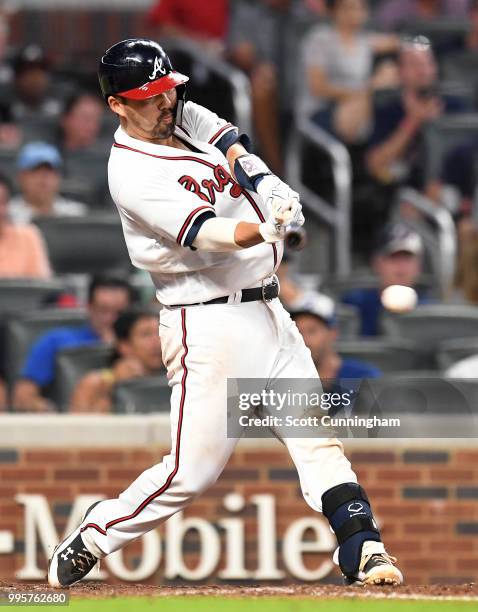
<point>162,195</point>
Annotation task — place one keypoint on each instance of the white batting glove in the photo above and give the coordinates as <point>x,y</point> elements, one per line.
<point>287,212</point>
<point>282,202</point>
<point>272,231</point>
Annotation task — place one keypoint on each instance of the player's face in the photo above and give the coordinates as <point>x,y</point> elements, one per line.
<point>152,119</point>
<point>144,344</point>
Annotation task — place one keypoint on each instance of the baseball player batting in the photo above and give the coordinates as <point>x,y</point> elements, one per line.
<point>207,220</point>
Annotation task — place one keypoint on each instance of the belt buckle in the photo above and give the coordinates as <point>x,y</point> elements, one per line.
<point>270,288</point>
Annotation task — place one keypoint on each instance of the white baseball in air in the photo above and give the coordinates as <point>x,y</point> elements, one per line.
<point>398,298</point>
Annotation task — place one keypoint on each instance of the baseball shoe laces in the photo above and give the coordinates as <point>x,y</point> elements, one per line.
<point>380,569</point>
<point>71,560</point>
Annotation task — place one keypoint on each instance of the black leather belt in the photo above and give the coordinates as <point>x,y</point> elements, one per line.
<point>266,293</point>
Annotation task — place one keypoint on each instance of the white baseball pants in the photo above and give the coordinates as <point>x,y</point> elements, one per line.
<point>203,346</point>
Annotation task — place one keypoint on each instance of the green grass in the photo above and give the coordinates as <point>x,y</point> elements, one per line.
<point>208,604</point>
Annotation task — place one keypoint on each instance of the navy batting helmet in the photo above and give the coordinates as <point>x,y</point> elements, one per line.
<point>138,69</point>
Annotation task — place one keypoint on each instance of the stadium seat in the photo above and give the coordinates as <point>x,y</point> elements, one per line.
<point>18,294</point>
<point>72,364</point>
<point>427,393</point>
<point>453,350</point>
<point>8,163</point>
<point>389,355</point>
<point>86,179</point>
<point>85,245</point>
<point>143,395</point>
<point>24,329</point>
<point>461,66</point>
<point>442,135</point>
<point>348,321</point>
<point>37,128</point>
<point>430,324</point>
<point>427,406</point>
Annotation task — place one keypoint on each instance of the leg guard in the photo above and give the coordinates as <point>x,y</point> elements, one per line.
<point>348,511</point>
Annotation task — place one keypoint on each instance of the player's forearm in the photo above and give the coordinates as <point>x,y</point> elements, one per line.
<point>222,235</point>
<point>247,234</point>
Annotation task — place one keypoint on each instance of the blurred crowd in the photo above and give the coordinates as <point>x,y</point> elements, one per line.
<point>374,76</point>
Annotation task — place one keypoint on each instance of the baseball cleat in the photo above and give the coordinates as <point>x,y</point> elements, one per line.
<point>376,569</point>
<point>71,560</point>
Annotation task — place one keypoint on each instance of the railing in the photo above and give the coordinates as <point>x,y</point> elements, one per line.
<point>238,81</point>
<point>337,214</point>
<point>445,246</point>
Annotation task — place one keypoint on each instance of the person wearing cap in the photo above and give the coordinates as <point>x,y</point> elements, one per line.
<point>32,98</point>
<point>317,322</point>
<point>39,175</point>
<point>397,260</point>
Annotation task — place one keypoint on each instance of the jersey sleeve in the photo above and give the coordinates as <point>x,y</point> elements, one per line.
<point>167,208</point>
<point>202,124</point>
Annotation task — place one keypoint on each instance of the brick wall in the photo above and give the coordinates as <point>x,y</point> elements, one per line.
<point>425,500</point>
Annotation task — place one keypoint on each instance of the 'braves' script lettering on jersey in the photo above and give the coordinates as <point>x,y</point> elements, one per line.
<point>209,187</point>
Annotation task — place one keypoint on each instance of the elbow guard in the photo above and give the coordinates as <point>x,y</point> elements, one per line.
<point>250,170</point>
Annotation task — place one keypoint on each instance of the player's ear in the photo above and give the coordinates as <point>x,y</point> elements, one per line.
<point>116,105</point>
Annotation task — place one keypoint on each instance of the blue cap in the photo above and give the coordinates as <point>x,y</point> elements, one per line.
<point>36,154</point>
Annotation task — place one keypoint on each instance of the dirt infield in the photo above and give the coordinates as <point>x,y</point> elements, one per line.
<point>95,590</point>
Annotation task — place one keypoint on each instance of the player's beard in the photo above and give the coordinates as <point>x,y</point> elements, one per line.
<point>164,130</point>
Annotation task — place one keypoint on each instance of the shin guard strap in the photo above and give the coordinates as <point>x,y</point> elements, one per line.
<point>353,526</point>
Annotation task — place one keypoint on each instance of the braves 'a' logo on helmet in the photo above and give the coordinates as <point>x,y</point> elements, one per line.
<point>158,67</point>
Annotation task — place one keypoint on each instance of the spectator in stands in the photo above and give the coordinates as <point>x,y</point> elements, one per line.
<point>10,134</point>
<point>181,18</point>
<point>465,289</point>
<point>471,40</point>
<point>32,97</point>
<point>3,396</point>
<point>397,260</point>
<point>317,323</point>
<point>338,65</point>
<point>456,186</point>
<point>39,177</point>
<point>394,13</point>
<point>258,46</point>
<point>106,299</point>
<point>81,123</point>
<point>137,354</point>
<point>23,253</point>
<point>315,7</point>
<point>394,151</point>
<point>6,72</point>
